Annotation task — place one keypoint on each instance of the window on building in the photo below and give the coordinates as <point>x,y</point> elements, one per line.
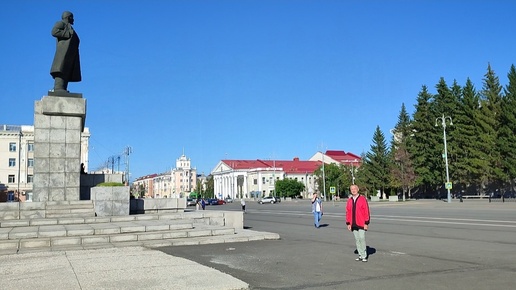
<point>12,162</point>
<point>295,179</point>
<point>263,180</point>
<point>30,147</point>
<point>12,147</point>
<point>30,162</point>
<point>11,179</point>
<point>255,181</point>
<point>30,178</point>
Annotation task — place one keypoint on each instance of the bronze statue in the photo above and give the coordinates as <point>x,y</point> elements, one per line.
<point>66,66</point>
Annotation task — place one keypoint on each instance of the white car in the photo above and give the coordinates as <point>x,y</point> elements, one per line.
<point>191,202</point>
<point>268,199</point>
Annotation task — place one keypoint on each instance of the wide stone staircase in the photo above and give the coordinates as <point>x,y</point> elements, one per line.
<point>66,227</point>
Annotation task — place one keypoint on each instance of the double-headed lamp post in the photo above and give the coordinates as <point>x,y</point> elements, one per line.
<point>443,123</point>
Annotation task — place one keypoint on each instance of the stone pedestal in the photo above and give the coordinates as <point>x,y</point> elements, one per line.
<point>58,124</point>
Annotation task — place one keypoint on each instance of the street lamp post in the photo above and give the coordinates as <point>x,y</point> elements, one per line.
<point>352,174</point>
<point>20,134</point>
<point>443,123</point>
<point>323,179</point>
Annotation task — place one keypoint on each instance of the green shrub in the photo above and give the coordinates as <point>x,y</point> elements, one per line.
<point>110,184</point>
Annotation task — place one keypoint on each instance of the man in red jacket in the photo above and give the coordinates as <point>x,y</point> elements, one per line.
<point>357,220</point>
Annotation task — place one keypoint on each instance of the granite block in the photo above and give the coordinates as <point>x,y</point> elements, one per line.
<point>57,165</point>
<point>58,122</point>
<point>56,193</point>
<point>57,150</point>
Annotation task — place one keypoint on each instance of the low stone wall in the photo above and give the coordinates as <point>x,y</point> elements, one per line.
<point>44,209</point>
<point>231,219</point>
<point>110,200</point>
<point>89,181</point>
<point>154,205</point>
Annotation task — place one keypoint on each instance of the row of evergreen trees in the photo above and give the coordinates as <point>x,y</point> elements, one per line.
<point>480,129</point>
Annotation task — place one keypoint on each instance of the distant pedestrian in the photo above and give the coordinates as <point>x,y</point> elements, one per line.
<point>242,202</point>
<point>357,220</point>
<point>203,203</point>
<point>317,209</point>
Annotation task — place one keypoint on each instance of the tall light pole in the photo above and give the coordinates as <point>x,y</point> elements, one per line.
<point>128,150</point>
<point>274,177</point>
<point>20,134</point>
<point>323,178</point>
<point>443,123</point>
<point>352,174</point>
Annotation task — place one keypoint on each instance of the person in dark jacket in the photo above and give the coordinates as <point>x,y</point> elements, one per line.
<point>357,220</point>
<point>66,66</point>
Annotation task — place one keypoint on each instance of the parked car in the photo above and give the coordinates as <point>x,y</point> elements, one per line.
<point>221,202</point>
<point>268,199</point>
<point>228,200</point>
<point>212,201</point>
<point>191,202</point>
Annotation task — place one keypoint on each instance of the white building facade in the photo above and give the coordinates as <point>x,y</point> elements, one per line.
<point>17,157</point>
<point>257,178</point>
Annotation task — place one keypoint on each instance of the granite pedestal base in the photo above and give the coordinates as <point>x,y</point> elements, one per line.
<point>58,124</point>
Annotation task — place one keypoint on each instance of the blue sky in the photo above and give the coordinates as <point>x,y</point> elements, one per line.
<point>254,79</point>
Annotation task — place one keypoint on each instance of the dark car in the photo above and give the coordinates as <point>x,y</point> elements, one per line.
<point>212,201</point>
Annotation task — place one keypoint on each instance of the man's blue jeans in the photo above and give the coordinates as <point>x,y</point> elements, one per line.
<point>317,218</point>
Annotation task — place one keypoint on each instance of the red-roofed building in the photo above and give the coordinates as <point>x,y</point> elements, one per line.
<point>338,157</point>
<point>256,178</point>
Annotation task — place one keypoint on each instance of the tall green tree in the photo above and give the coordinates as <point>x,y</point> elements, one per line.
<point>402,169</point>
<point>468,159</point>
<point>364,177</point>
<point>335,175</point>
<point>489,120</point>
<point>507,132</point>
<point>378,161</point>
<point>424,143</point>
<point>210,188</point>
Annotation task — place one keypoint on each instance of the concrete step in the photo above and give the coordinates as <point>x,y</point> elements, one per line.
<point>89,219</point>
<point>70,230</point>
<point>166,228</point>
<point>27,210</point>
<point>74,240</point>
<point>78,204</point>
<point>81,208</point>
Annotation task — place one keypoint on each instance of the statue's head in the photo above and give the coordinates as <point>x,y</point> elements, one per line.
<point>67,17</point>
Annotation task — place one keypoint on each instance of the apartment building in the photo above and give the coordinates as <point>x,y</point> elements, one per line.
<point>17,159</point>
<point>178,182</point>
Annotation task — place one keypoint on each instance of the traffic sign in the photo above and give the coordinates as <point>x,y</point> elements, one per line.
<point>448,185</point>
<point>332,189</point>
